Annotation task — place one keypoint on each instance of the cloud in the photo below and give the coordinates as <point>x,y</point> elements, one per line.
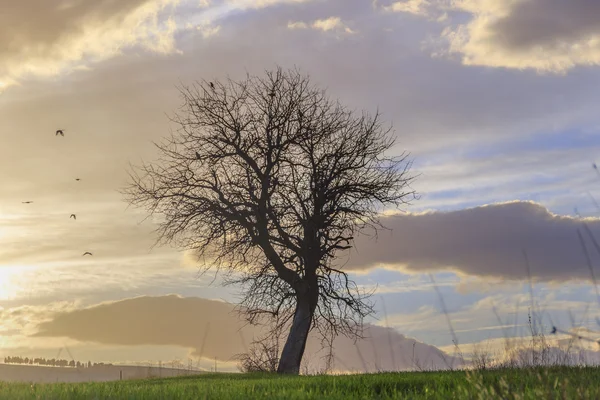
<point>297,25</point>
<point>325,25</point>
<point>551,36</point>
<point>64,35</point>
<point>543,35</point>
<point>484,241</point>
<point>112,113</point>
<point>169,320</point>
<point>417,7</point>
<point>258,4</point>
<point>24,319</point>
<point>208,30</point>
<point>213,330</point>
<point>328,24</point>
<point>425,109</point>
<point>18,323</point>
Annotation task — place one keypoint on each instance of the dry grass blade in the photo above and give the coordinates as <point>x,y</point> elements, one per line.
<point>448,320</point>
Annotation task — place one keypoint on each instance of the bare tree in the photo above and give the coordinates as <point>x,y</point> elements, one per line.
<point>267,180</point>
<point>263,354</point>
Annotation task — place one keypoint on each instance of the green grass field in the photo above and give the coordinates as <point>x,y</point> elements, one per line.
<point>547,383</point>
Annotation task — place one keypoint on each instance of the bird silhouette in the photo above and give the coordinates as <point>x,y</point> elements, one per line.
<point>73,216</point>
<point>27,202</point>
<point>77,179</point>
<point>212,85</point>
<point>198,156</point>
<point>60,132</point>
<point>87,253</point>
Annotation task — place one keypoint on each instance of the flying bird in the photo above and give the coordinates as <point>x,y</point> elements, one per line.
<point>87,253</point>
<point>27,202</point>
<point>60,132</point>
<point>212,86</point>
<point>77,179</point>
<point>73,216</point>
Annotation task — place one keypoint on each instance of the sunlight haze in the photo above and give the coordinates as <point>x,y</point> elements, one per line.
<point>496,103</point>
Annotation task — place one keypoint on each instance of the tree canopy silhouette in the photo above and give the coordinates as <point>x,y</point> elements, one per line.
<point>268,180</point>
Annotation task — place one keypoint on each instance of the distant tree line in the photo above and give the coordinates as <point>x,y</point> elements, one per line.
<point>51,362</point>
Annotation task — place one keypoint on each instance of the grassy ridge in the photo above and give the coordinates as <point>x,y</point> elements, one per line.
<point>546,383</point>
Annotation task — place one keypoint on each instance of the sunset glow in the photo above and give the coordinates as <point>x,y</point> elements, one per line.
<point>495,102</point>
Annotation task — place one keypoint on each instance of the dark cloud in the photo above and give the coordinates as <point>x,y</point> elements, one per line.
<point>483,241</point>
<point>30,25</point>
<point>62,35</point>
<point>213,330</point>
<point>547,23</point>
<point>545,35</point>
<point>169,320</point>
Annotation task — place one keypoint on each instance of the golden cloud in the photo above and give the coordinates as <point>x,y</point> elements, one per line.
<point>257,4</point>
<point>61,36</point>
<point>325,25</point>
<point>417,7</point>
<point>544,35</point>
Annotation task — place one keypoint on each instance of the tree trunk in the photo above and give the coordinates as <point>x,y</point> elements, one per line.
<point>292,353</point>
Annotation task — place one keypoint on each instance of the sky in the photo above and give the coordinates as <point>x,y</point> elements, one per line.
<point>495,100</point>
